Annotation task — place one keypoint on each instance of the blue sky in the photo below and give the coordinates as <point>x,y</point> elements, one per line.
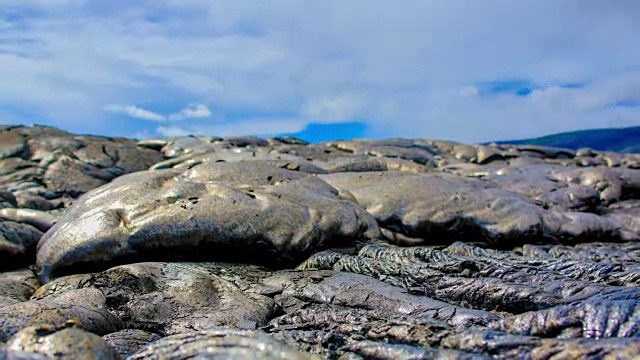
<point>464,70</point>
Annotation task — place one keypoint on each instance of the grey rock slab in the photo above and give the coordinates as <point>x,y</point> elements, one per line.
<point>353,324</point>
<point>450,153</point>
<point>17,286</point>
<point>392,148</point>
<point>541,184</point>
<point>228,211</point>
<point>62,343</point>
<point>626,213</point>
<point>506,346</point>
<point>220,344</point>
<point>17,171</point>
<point>613,184</point>
<point>322,153</point>
<point>616,253</point>
<point>611,348</point>
<point>235,155</point>
<point>476,154</point>
<point>115,153</point>
<point>359,291</point>
<point>174,147</point>
<point>86,296</point>
<point>8,354</point>
<point>169,298</point>
<point>631,161</point>
<point>511,287</point>
<point>442,208</point>
<point>98,151</point>
<point>13,144</point>
<point>129,341</point>
<point>320,343</point>
<point>606,319</point>
<point>381,350</point>
<point>17,243</point>
<point>375,164</point>
<point>244,141</point>
<point>153,144</point>
<point>35,199</point>
<point>66,174</point>
<point>523,266</point>
<point>288,140</point>
<point>193,145</point>
<point>60,285</point>
<point>545,151</point>
<point>16,317</point>
<point>39,219</point>
<point>7,199</point>
<point>69,165</point>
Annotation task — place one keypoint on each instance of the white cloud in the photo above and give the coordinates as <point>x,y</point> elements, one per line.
<point>173,131</point>
<point>406,68</point>
<point>256,127</point>
<point>335,108</point>
<point>135,112</point>
<point>192,111</point>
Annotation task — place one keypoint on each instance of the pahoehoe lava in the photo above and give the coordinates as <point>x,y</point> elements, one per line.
<point>257,248</point>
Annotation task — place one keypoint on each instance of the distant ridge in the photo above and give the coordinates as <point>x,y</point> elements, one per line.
<point>609,139</point>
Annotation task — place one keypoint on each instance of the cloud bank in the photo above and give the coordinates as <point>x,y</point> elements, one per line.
<point>464,70</point>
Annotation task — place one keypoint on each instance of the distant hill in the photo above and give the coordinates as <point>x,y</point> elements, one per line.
<point>611,139</point>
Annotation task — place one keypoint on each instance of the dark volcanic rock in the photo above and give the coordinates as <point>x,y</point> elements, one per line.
<point>233,210</point>
<point>391,148</point>
<point>17,243</point>
<point>130,341</point>
<point>478,282</point>
<point>341,323</point>
<point>43,168</point>
<point>62,343</point>
<point>362,292</point>
<point>18,316</point>
<point>174,147</point>
<point>377,350</point>
<point>541,183</point>
<point>505,346</point>
<point>618,318</point>
<point>169,298</point>
<point>277,160</point>
<point>617,253</point>
<point>442,208</point>
<point>17,286</point>
<point>8,354</point>
<point>361,249</point>
<point>219,344</point>
<point>46,168</point>
<point>39,219</point>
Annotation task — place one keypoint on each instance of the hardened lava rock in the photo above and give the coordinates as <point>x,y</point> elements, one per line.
<point>18,316</point>
<point>442,208</point>
<point>168,298</point>
<point>505,346</point>
<point>230,211</point>
<point>243,247</point>
<point>129,341</point>
<point>65,342</point>
<point>18,242</point>
<point>359,291</point>
<point>220,344</point>
<point>17,286</point>
<point>51,164</point>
